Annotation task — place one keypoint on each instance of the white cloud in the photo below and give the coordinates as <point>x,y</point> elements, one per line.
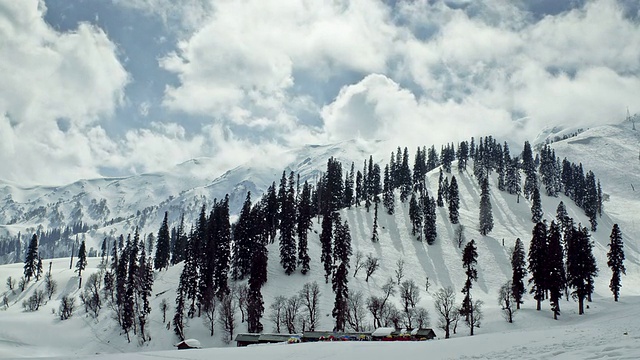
<point>50,78</point>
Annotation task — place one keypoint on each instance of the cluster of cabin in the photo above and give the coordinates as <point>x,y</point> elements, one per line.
<point>380,334</point>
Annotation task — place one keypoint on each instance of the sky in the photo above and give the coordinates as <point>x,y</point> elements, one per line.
<point>94,88</point>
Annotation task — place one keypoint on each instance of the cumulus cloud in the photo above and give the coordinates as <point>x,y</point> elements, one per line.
<point>54,86</point>
<point>257,77</point>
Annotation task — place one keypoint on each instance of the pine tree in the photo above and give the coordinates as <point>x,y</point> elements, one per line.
<point>359,194</point>
<point>271,211</point>
<point>463,156</point>
<point>536,206</point>
<point>180,243</point>
<point>454,201</point>
<point>430,231</point>
<point>512,177</point>
<point>388,198</point>
<point>469,263</point>
<point>31,259</point>
<point>144,288</point>
<point>287,229</point>
<point>519,269</point>
<point>326,244</point>
<point>555,267</point>
<point>615,260</point>
<point>405,177</point>
<point>304,224</point>
<point>537,263</point>
<point>341,253</point>
<point>374,231</point>
<point>581,267</point>
<point>82,261</point>
<point>221,231</point>
<point>441,190</point>
<point>241,260</point>
<point>486,214</point>
<point>258,271</point>
<point>348,188</point>
<point>415,215</point>
<point>529,168</point>
<point>590,204</point>
<point>161,260</point>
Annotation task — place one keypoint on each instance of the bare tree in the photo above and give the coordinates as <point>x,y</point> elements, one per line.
<point>90,297</point>
<point>377,306</point>
<point>399,271</point>
<point>34,301</point>
<point>355,311</point>
<point>22,283</point>
<point>371,265</point>
<point>445,304</point>
<point>409,295</point>
<point>50,285</point>
<point>422,317</point>
<point>506,301</point>
<point>291,312</point>
<point>391,316</point>
<point>242,294</point>
<point>475,316</point>
<point>209,311</point>
<point>310,296</point>
<point>5,301</point>
<point>11,284</point>
<point>227,316</point>
<point>277,312</point>
<point>359,263</point>
<point>164,307</point>
<point>459,235</point>
<point>67,306</point>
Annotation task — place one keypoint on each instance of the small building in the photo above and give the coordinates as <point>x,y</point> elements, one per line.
<point>423,334</point>
<point>252,339</point>
<point>246,339</point>
<point>189,344</point>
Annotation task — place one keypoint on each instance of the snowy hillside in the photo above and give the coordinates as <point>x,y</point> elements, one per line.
<point>605,330</point>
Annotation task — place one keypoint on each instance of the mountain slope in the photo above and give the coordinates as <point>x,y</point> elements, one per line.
<point>440,262</point>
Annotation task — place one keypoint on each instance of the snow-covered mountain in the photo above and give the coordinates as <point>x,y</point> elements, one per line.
<point>117,205</point>
<point>610,151</point>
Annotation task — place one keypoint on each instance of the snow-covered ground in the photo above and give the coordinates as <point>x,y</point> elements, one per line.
<point>607,330</point>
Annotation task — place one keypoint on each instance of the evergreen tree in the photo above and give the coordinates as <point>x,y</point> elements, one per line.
<point>405,177</point>
<point>538,263</point>
<point>441,191</point>
<point>469,263</point>
<point>615,260</point>
<point>288,258</point>
<point>258,271</point>
<point>555,267</point>
<point>180,244</point>
<point>162,248</point>
<point>359,195</point>
<point>581,268</point>
<point>374,232</point>
<point>512,177</point>
<point>528,165</point>
<point>82,261</point>
<point>31,259</point>
<point>590,203</point>
<point>388,198</point>
<point>536,206</point>
<point>432,158</point>
<point>326,244</point>
<point>430,231</point>
<point>190,275</point>
<point>304,224</point>
<point>348,188</point>
<point>486,214</point>
<point>144,288</point>
<point>341,253</point>
<point>271,211</point>
<point>563,217</point>
<point>241,259</point>
<point>415,215</point>
<point>519,269</point>
<point>128,310</point>
<point>454,201</point>
<point>221,232</point>
<point>462,155</point>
